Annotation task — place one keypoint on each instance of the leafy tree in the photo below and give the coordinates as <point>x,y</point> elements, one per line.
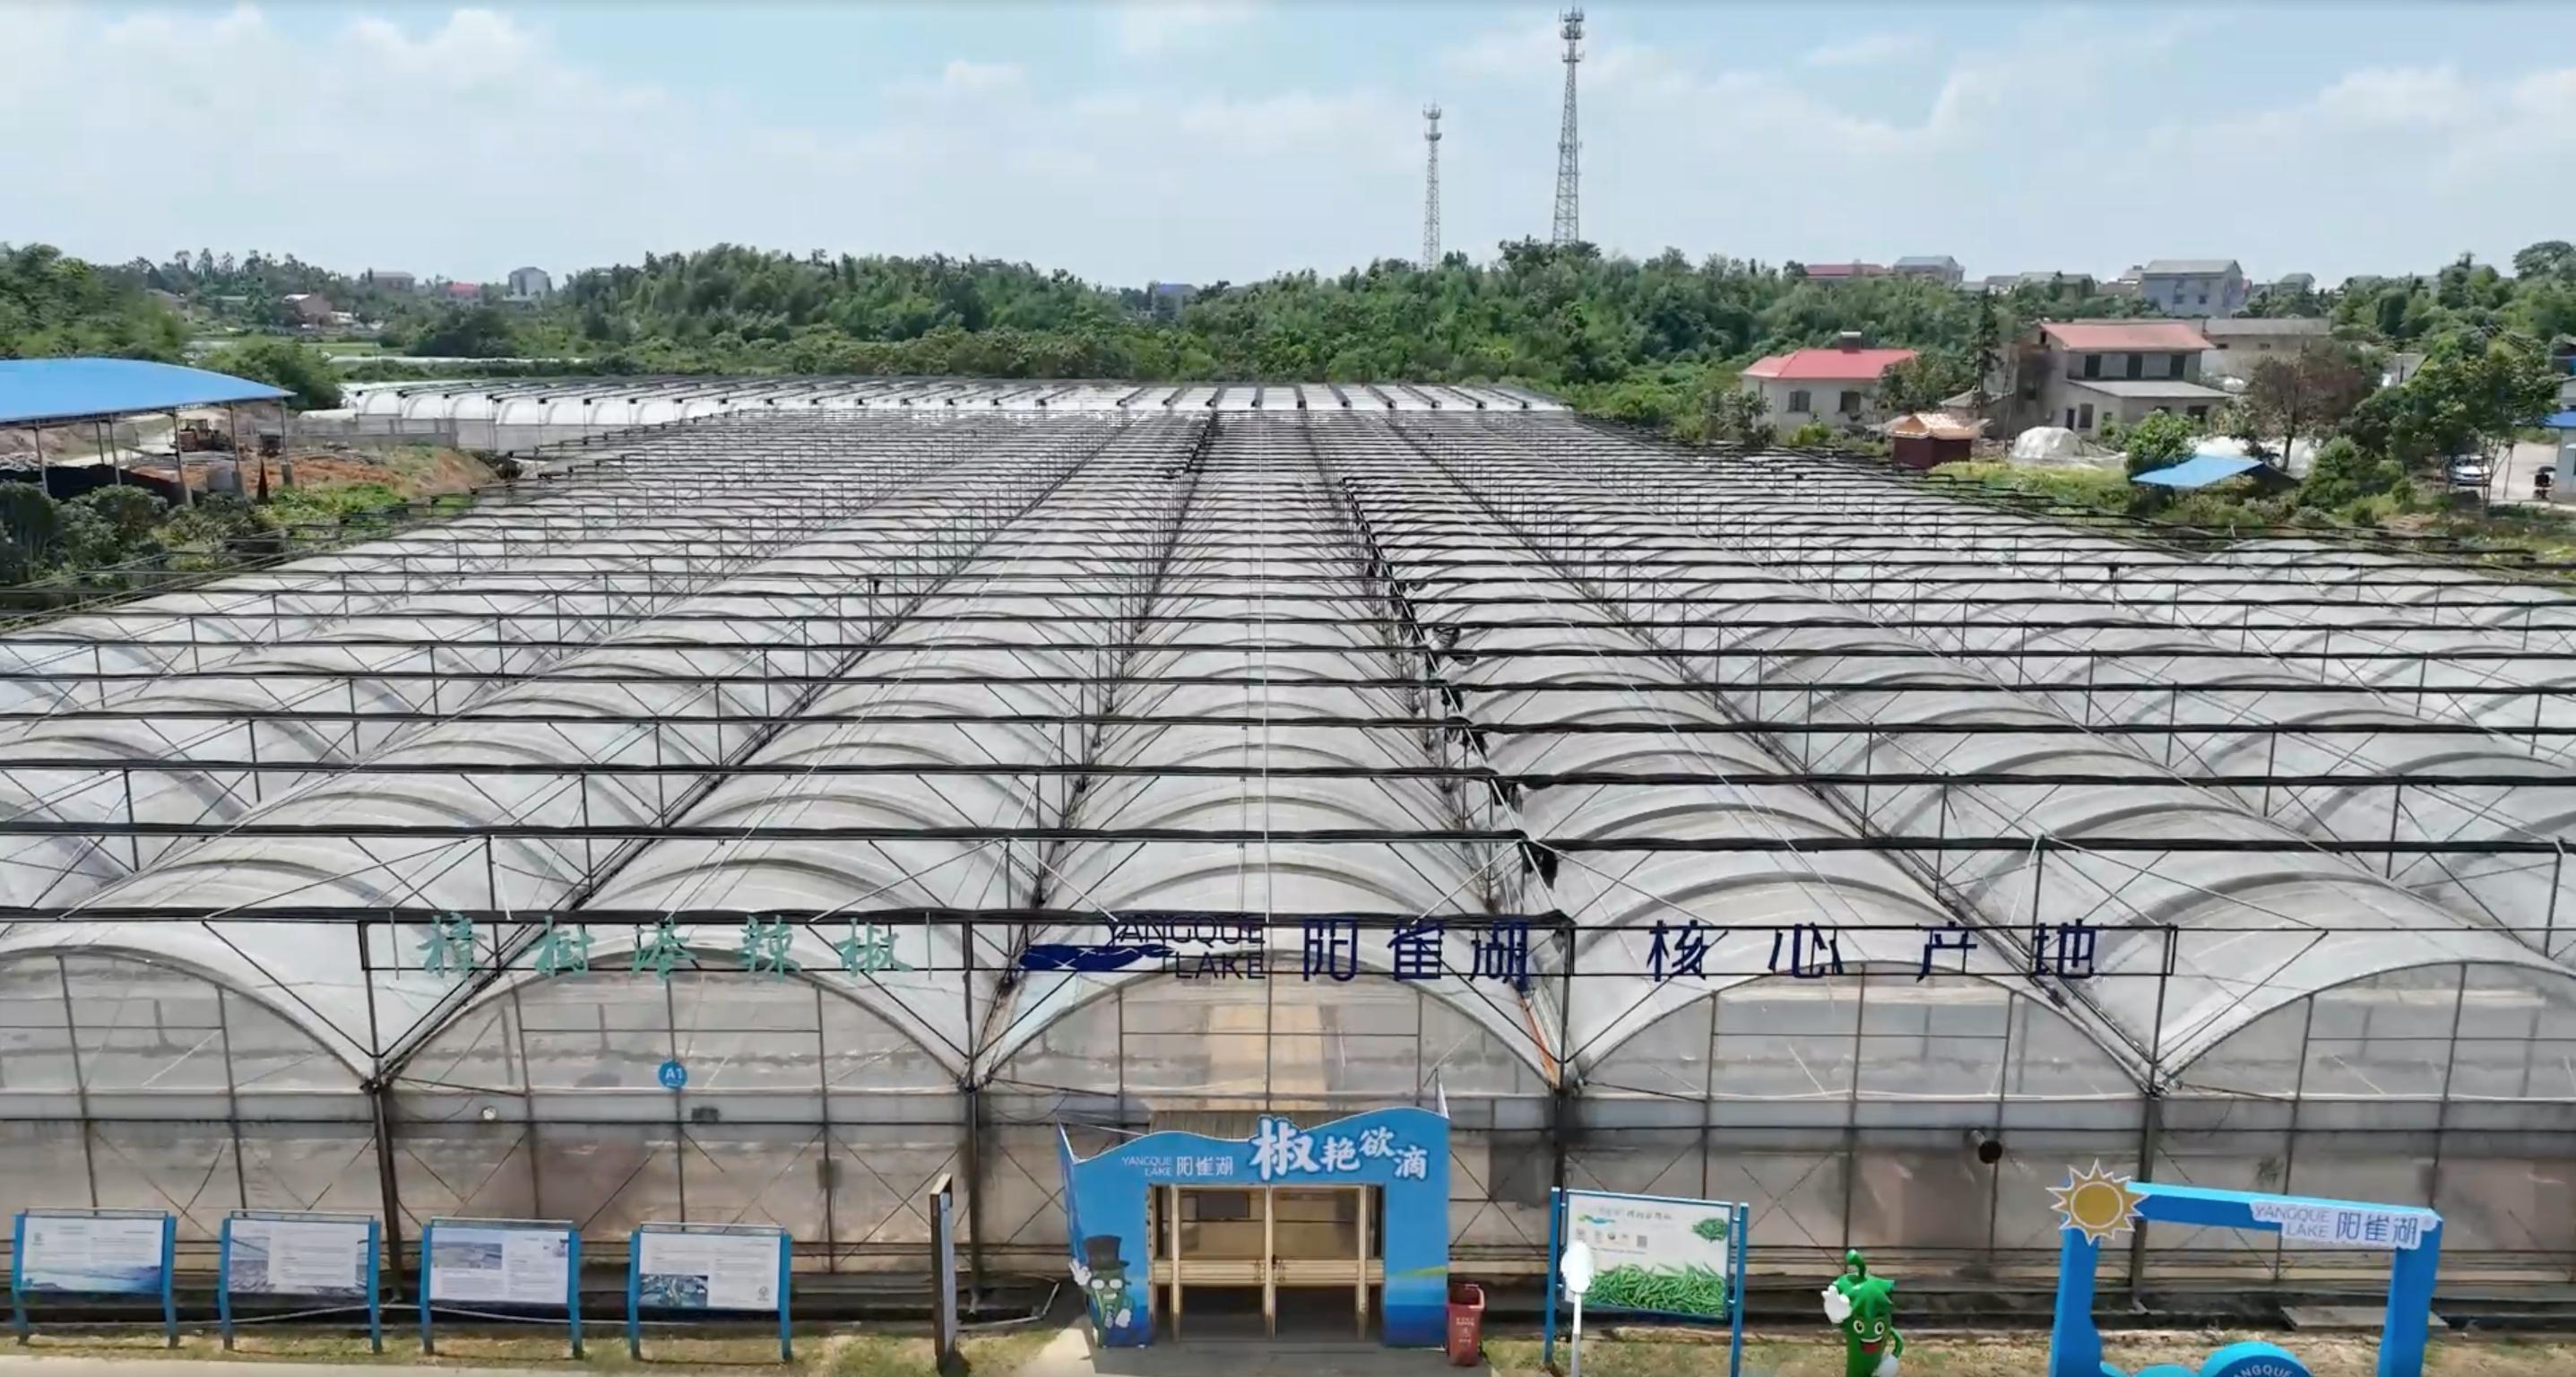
<point>29,527</point>
<point>1736,416</point>
<point>1985,350</point>
<point>52,306</point>
<point>2548,258</point>
<point>2302,303</point>
<point>470,332</point>
<point>2159,439</point>
<point>85,539</point>
<point>282,363</point>
<point>2304,394</point>
<point>2463,401</point>
<point>1921,382</point>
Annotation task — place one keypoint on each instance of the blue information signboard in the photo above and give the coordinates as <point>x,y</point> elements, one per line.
<point>1667,1256</point>
<point>300,1253</point>
<point>707,1267</point>
<point>93,1253</point>
<point>672,1075</point>
<point>516,1263</point>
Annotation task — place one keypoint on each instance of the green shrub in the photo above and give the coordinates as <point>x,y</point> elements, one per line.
<point>210,527</point>
<point>306,373</point>
<point>30,524</point>
<point>87,539</point>
<point>2159,440</point>
<point>2232,505</point>
<point>2102,490</point>
<point>2344,473</point>
<point>1812,435</point>
<point>132,512</point>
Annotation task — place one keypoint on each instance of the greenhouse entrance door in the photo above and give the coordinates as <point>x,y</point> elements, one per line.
<point>1257,1260</point>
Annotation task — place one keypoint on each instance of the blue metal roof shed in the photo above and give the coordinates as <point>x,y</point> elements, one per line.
<point>2200,470</point>
<point>50,392</point>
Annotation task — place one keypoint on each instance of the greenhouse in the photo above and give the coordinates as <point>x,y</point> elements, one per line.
<point>757,813</point>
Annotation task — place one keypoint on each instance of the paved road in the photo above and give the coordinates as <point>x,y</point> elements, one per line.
<point>1071,1355</point>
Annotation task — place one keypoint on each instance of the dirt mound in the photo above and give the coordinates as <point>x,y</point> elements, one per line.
<point>412,470</point>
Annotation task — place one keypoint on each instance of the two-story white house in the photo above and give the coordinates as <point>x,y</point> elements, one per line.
<point>1836,385</point>
<point>2237,344</point>
<point>2080,373</point>
<point>2193,286</point>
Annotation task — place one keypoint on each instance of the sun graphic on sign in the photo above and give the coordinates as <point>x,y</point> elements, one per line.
<point>2096,1203</point>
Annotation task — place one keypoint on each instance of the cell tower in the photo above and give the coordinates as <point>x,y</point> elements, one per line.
<point>1568,147</point>
<point>1431,188</point>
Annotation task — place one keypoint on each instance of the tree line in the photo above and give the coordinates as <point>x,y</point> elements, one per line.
<point>1651,341</point>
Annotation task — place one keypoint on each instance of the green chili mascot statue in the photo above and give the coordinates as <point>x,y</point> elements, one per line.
<point>1863,1307</point>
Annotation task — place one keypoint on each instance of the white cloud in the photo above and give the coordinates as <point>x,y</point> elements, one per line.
<point>1524,49</point>
<point>1867,50</point>
<point>468,142</point>
<point>1153,28</point>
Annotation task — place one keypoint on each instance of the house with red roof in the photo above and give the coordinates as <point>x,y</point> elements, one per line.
<point>1837,385</point>
<point>2081,373</point>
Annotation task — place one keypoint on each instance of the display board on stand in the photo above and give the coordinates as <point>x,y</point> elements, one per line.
<point>707,1268</point>
<point>2095,1207</point>
<point>302,1254</point>
<point>522,1264</point>
<point>93,1253</point>
<point>1665,1256</point>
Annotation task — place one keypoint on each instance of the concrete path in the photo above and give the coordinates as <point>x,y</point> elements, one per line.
<point>1071,1354</point>
<point>146,1365</point>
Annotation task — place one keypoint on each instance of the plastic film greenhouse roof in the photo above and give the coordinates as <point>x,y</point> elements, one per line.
<point>1157,654</point>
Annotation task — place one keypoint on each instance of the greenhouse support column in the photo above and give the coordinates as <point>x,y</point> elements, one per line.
<point>232,1094</point>
<point>379,1108</point>
<point>972,1120</point>
<point>2151,1123</point>
<point>2151,1107</point>
<point>2549,920</point>
<point>1561,1102</point>
<point>828,1166</point>
<point>80,1078</point>
<point>2442,1106</point>
<point>971,1108</point>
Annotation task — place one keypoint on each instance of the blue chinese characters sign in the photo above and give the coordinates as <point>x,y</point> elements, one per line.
<point>1404,1151</point>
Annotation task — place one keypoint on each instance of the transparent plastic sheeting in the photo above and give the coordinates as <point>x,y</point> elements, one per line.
<point>1336,572</point>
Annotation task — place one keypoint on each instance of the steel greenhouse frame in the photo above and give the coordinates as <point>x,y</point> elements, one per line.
<point>977,672</point>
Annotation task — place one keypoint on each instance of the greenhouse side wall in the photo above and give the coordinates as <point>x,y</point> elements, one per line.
<point>1848,1111</point>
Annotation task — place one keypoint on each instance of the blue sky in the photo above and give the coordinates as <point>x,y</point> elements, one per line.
<point>1236,138</point>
